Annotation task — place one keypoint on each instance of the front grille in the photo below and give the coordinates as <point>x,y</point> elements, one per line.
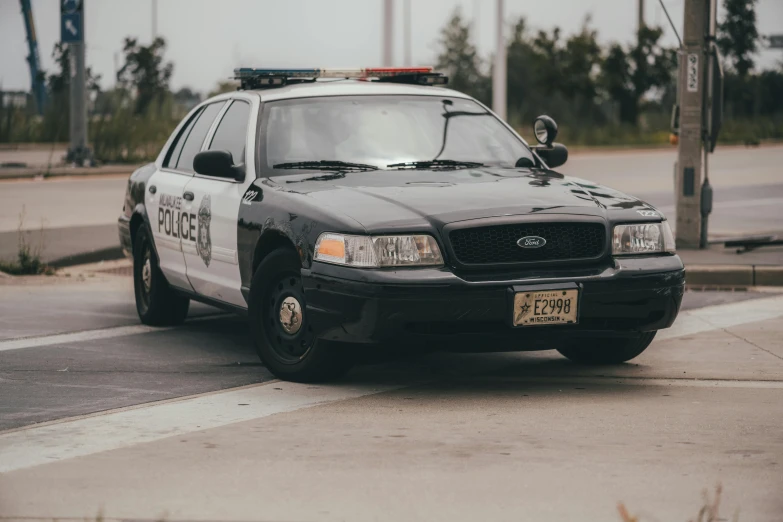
<point>498,243</point>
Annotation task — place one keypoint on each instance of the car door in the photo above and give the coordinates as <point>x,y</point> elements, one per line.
<point>164,193</point>
<point>212,258</point>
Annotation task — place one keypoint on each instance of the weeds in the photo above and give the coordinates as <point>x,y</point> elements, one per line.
<point>707,513</point>
<point>28,260</point>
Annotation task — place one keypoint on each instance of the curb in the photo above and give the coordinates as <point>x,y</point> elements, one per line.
<point>55,172</point>
<point>734,275</point>
<point>104,254</point>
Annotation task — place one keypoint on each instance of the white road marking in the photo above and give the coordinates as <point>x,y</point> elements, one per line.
<point>91,335</point>
<point>66,439</point>
<point>647,381</point>
<point>721,316</point>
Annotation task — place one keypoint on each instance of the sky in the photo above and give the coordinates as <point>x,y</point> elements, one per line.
<point>208,38</point>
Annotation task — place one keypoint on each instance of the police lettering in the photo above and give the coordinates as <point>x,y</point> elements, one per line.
<point>173,222</point>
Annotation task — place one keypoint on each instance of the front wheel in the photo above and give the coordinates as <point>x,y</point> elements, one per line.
<point>156,302</point>
<point>607,350</point>
<point>280,328</point>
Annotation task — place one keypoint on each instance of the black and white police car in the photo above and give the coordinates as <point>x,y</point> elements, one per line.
<point>340,210</point>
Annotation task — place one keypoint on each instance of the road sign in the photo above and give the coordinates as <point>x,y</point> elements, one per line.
<point>71,28</point>
<point>693,72</point>
<point>775,41</point>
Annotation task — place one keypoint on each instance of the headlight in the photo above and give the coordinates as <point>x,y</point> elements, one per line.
<point>644,238</point>
<point>378,251</point>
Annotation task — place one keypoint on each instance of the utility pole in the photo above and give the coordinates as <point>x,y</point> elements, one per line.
<point>388,33</point>
<point>154,24</point>
<point>499,72</point>
<point>641,24</point>
<point>476,10</point>
<point>72,33</point>
<point>693,82</point>
<point>407,32</point>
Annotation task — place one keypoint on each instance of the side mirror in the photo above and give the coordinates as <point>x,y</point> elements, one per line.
<point>554,156</point>
<point>218,163</point>
<point>545,130</point>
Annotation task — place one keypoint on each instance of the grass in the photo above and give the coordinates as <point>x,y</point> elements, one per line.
<point>707,513</point>
<point>28,257</point>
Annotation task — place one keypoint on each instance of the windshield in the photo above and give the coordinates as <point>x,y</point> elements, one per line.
<point>383,131</point>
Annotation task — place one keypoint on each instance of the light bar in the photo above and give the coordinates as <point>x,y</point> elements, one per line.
<point>369,72</point>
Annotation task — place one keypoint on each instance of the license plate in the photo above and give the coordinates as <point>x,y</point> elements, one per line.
<point>546,307</point>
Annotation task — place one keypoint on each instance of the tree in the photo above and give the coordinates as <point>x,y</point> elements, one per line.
<point>737,34</point>
<point>187,98</point>
<point>224,86</point>
<point>57,114</point>
<point>628,75</point>
<point>460,61</point>
<point>145,72</point>
<point>550,75</point>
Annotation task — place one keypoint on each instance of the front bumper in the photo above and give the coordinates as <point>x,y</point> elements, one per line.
<point>123,228</point>
<point>623,297</point>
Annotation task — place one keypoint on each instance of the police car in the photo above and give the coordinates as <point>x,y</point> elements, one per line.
<point>342,210</point>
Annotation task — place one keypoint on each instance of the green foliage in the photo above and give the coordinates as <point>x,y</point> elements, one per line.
<point>122,135</point>
<point>28,260</point>
<point>460,60</point>
<point>629,75</point>
<point>224,86</point>
<point>737,34</point>
<point>600,95</point>
<point>145,73</point>
<point>548,74</point>
<point>56,119</point>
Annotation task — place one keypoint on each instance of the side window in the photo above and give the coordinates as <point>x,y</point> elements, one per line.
<point>231,133</point>
<point>196,137</point>
<point>173,156</point>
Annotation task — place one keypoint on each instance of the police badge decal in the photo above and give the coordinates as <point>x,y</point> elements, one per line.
<point>204,241</point>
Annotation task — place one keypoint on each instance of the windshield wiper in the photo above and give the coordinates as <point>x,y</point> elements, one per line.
<point>323,177</point>
<point>325,165</point>
<point>441,164</point>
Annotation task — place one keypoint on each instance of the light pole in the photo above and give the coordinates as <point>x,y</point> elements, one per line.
<point>499,70</point>
<point>388,32</point>
<point>407,32</point>
<point>154,19</point>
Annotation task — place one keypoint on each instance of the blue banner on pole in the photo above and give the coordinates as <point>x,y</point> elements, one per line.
<point>71,30</point>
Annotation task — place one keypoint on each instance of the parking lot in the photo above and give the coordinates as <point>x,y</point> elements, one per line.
<point>103,415</point>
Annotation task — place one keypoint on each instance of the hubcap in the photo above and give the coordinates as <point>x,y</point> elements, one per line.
<point>291,315</point>
<point>285,325</point>
<point>146,274</point>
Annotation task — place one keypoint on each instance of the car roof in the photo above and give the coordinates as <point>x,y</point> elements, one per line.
<point>352,88</point>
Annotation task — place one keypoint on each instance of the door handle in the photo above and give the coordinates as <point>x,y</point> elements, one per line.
<point>153,189</point>
<point>188,196</point>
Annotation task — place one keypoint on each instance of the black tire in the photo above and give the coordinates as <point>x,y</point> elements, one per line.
<point>608,350</point>
<point>289,349</point>
<point>156,302</point>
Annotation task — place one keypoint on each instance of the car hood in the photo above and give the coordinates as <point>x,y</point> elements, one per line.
<point>389,199</point>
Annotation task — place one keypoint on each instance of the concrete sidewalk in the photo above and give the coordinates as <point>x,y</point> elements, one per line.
<point>717,265</point>
<point>456,437</point>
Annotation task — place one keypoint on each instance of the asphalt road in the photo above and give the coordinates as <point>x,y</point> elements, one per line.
<point>80,215</point>
<point>99,413</point>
